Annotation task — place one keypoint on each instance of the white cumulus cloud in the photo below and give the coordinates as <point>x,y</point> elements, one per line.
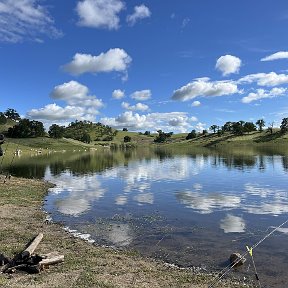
<point>228,64</point>
<point>55,112</point>
<point>276,56</point>
<point>196,104</point>
<point>80,105</point>
<point>200,126</point>
<point>75,93</point>
<point>136,107</point>
<point>142,95</point>
<point>205,88</point>
<point>262,94</point>
<point>140,12</point>
<point>173,121</point>
<point>100,13</point>
<point>113,60</point>
<point>265,79</point>
<point>25,20</point>
<point>118,94</point>
<point>179,121</point>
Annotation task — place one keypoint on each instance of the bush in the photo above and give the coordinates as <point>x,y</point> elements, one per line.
<point>127,139</point>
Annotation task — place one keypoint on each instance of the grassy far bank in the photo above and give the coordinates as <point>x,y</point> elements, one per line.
<point>228,139</point>
<point>85,265</point>
<point>209,140</point>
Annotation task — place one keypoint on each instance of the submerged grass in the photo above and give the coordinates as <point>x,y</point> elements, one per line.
<point>85,265</point>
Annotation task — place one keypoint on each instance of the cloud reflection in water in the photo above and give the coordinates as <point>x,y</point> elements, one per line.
<point>232,224</point>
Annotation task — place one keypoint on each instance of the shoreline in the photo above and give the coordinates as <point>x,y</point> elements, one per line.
<point>86,265</point>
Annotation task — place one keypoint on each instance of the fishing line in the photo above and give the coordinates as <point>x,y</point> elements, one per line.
<point>229,267</point>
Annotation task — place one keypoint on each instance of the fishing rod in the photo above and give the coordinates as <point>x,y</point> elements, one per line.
<point>229,267</point>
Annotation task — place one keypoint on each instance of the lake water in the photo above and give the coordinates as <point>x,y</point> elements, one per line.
<point>190,208</point>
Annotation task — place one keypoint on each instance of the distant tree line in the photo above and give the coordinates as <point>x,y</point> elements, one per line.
<point>240,128</point>
<point>87,131</point>
<point>78,130</point>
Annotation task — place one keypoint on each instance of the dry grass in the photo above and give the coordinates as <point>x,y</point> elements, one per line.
<point>85,265</point>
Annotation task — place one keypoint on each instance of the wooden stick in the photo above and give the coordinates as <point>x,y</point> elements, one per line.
<point>51,261</point>
<point>31,248</point>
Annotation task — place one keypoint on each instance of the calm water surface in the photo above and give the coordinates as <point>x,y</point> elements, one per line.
<point>191,208</point>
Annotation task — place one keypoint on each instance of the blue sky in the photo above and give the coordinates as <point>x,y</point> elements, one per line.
<point>145,65</point>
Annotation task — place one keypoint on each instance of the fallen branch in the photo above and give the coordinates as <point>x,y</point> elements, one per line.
<point>50,261</point>
<point>29,262</point>
<point>31,248</point>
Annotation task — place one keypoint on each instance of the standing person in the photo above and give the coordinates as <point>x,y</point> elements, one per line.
<point>2,140</point>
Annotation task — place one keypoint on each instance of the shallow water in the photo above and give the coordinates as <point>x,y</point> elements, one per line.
<point>191,208</point>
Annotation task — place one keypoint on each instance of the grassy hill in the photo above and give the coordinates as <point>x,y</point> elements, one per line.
<point>101,135</point>
<point>252,138</point>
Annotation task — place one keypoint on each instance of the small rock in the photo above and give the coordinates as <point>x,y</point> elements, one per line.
<point>235,259</point>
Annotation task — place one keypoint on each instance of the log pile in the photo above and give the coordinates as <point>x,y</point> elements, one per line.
<point>28,261</point>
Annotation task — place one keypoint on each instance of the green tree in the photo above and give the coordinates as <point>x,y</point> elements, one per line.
<point>162,136</point>
<point>237,128</point>
<point>191,135</point>
<point>26,128</point>
<point>260,123</point>
<point>56,131</point>
<point>125,129</point>
<point>270,127</point>
<point>227,127</point>
<point>12,114</point>
<point>147,133</point>
<point>249,127</point>
<point>127,138</point>
<point>86,138</point>
<point>284,125</point>
<point>213,128</point>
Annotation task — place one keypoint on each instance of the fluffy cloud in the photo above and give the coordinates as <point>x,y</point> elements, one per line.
<point>75,93</point>
<point>261,94</point>
<point>173,121</point>
<point>228,64</point>
<point>276,56</point>
<point>137,107</point>
<point>179,121</point>
<point>140,12</point>
<point>203,87</point>
<point>265,79</point>
<point>118,94</point>
<point>81,105</point>
<point>25,19</point>
<point>100,13</point>
<point>141,95</point>
<point>200,126</point>
<point>55,112</point>
<point>196,104</point>
<point>113,60</point>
